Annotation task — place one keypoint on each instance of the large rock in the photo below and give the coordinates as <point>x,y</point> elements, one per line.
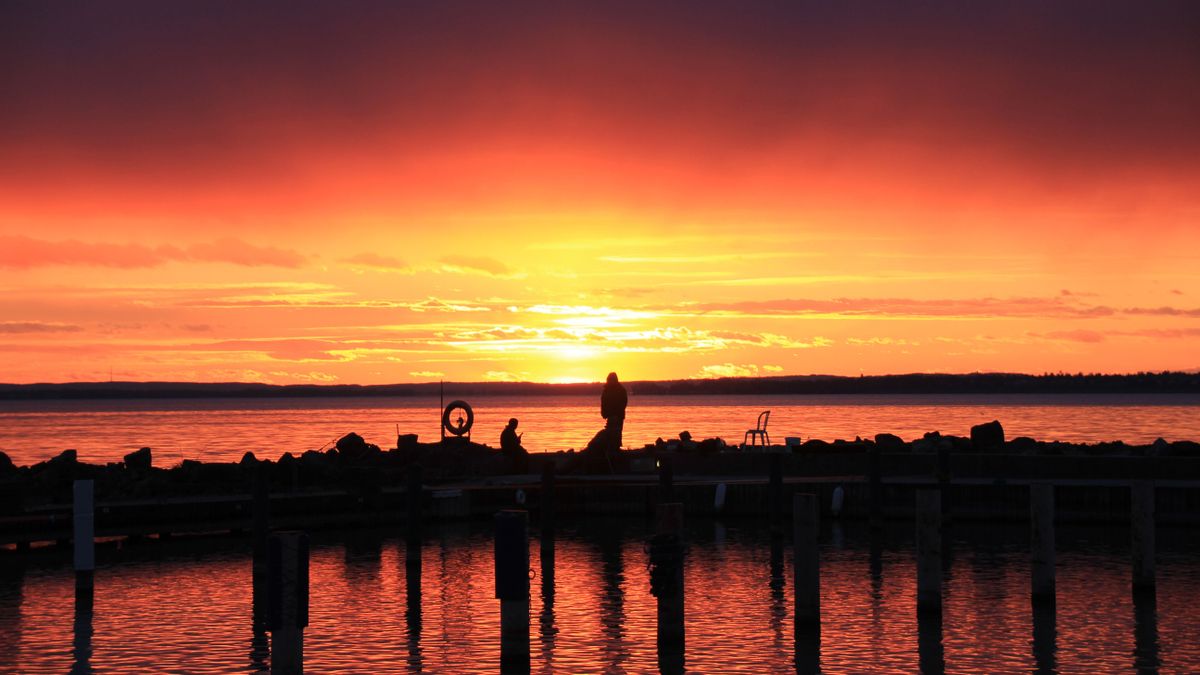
<point>248,459</point>
<point>890,443</point>
<point>988,437</point>
<point>6,464</point>
<point>138,459</point>
<point>355,450</point>
<point>1023,445</point>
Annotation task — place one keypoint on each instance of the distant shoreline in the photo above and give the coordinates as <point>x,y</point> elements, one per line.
<point>974,383</point>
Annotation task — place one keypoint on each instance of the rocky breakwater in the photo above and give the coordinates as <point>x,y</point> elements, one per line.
<point>353,464</point>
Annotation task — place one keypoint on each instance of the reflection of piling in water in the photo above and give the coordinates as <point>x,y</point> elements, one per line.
<point>81,642</point>
<point>547,628</point>
<point>412,611</point>
<point>512,589</point>
<point>807,654</point>
<point>1045,638</point>
<point>931,654</point>
<point>84,521</point>
<point>287,599</point>
<point>260,647</point>
<point>12,597</point>
<point>1041,506</point>
<point>807,582</point>
<point>1141,498</point>
<point>666,584</point>
<point>612,598</point>
<point>1145,633</point>
<point>929,552</point>
<point>777,581</point>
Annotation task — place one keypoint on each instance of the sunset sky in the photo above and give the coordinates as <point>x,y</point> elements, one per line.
<point>391,192</point>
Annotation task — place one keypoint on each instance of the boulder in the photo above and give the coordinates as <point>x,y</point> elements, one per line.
<point>6,464</point>
<point>248,459</point>
<point>1185,449</point>
<point>988,437</point>
<point>959,443</point>
<point>890,443</point>
<point>1023,445</point>
<point>685,441</point>
<point>1159,448</point>
<point>355,450</point>
<point>813,445</point>
<point>139,460</point>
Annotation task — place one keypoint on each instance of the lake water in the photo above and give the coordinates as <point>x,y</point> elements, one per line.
<point>222,429</point>
<point>187,606</point>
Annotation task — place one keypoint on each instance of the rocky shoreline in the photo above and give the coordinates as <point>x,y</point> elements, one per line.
<point>357,465</point>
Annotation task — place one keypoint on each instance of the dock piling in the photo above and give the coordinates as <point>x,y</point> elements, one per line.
<point>1142,498</point>
<point>775,492</point>
<point>807,578</point>
<point>875,492</point>
<point>929,551</point>
<point>287,599</point>
<point>415,496</point>
<point>512,588</point>
<point>667,584</point>
<point>547,503</point>
<point>261,509</point>
<point>1041,505</point>
<point>84,526</point>
<point>666,480</point>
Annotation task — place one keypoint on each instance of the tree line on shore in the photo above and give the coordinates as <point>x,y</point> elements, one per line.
<point>916,383</point>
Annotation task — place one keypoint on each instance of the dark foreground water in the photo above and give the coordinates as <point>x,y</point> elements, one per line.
<point>187,606</point>
<point>220,430</point>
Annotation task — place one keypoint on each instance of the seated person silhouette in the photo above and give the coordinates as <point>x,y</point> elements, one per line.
<point>510,447</point>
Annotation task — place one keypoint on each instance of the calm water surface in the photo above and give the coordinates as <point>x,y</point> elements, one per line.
<point>187,606</point>
<point>222,429</point>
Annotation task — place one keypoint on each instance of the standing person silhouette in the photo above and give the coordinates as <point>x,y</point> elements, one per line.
<point>612,408</point>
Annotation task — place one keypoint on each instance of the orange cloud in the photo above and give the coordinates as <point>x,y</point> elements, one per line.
<point>12,327</point>
<point>22,252</point>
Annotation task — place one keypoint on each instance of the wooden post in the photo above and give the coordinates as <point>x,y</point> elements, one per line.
<point>666,582</point>
<point>1141,498</point>
<point>666,480</point>
<point>943,478</point>
<point>287,599</point>
<point>512,588</point>
<point>807,579</point>
<point>84,517</point>
<point>1041,506</point>
<point>929,551</point>
<point>412,548</point>
<point>775,492</point>
<point>262,517</point>
<point>874,468</point>
<point>547,502</point>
